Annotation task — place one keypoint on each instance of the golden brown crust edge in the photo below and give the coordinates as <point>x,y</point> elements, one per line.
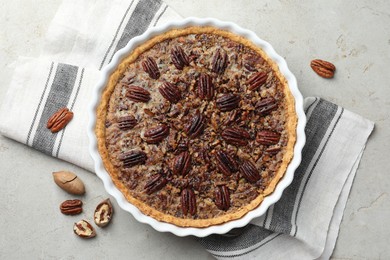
<point>113,172</point>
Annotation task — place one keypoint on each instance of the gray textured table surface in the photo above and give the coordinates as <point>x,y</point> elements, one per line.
<point>355,35</point>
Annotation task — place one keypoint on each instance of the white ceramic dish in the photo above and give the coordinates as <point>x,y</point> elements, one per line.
<point>268,201</point>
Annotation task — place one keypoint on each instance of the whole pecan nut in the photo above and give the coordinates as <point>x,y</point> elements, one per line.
<point>103,213</point>
<point>137,94</point>
<point>205,87</point>
<point>179,57</point>
<point>84,229</point>
<point>257,80</point>
<point>225,163</point>
<point>220,62</point>
<point>188,202</point>
<point>150,66</point>
<point>266,106</point>
<point>71,207</point>
<point>170,92</point>
<point>59,120</point>
<point>222,197</point>
<point>182,164</point>
<point>156,183</point>
<point>249,171</point>
<point>127,122</point>
<point>323,68</point>
<point>156,134</point>
<point>132,158</point>
<point>195,126</point>
<point>228,102</point>
<point>267,137</point>
<point>235,136</point>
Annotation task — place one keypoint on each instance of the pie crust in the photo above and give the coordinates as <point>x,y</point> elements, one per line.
<point>111,140</point>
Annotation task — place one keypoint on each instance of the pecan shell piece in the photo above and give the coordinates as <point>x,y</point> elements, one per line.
<point>170,92</point>
<point>222,197</point>
<point>205,87</point>
<point>127,122</point>
<point>188,202</point>
<point>323,68</point>
<point>179,57</point>
<point>225,163</point>
<point>266,106</point>
<point>71,207</point>
<point>103,213</point>
<point>249,171</point>
<point>83,229</point>
<point>182,164</point>
<point>59,120</point>
<point>235,136</point>
<point>156,134</point>
<point>267,137</point>
<point>150,66</point>
<point>228,102</point>
<point>220,62</point>
<point>257,80</point>
<point>132,158</point>
<point>137,94</point>
<point>156,183</point>
<point>195,126</point>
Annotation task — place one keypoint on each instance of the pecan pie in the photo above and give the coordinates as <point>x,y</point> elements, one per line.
<point>196,126</point>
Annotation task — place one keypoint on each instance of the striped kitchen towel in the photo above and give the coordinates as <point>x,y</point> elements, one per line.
<point>83,38</point>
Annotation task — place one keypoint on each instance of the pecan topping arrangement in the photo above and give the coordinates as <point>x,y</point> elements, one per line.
<point>71,207</point>
<point>228,102</point>
<point>127,122</point>
<point>59,120</point>
<point>188,202</point>
<point>170,92</point>
<point>196,127</point>
<point>179,57</point>
<point>138,94</point>
<point>220,61</point>
<point>150,66</point>
<point>222,197</point>
<point>323,68</point>
<point>132,158</point>
<point>235,136</point>
<point>156,134</point>
<point>257,80</point>
<point>205,87</point>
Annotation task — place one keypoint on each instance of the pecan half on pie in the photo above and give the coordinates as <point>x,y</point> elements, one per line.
<point>196,126</point>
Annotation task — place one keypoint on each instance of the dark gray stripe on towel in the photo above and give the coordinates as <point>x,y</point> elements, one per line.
<point>139,21</point>
<point>58,97</point>
<point>40,103</point>
<point>316,128</point>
